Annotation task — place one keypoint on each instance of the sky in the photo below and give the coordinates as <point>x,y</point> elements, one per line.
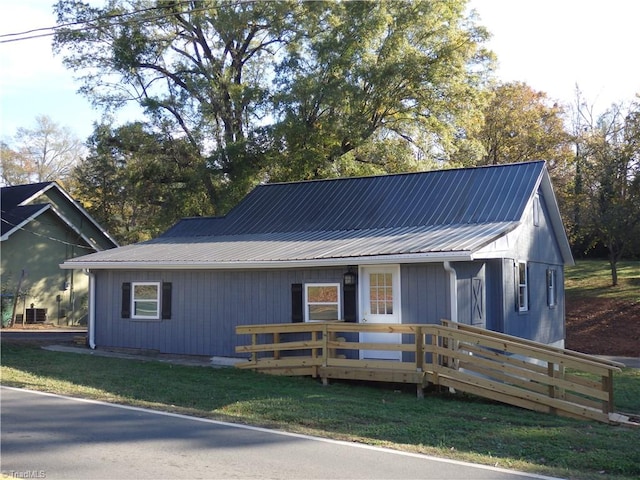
<point>552,45</point>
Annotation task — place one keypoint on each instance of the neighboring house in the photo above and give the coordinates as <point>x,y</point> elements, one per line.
<point>42,226</point>
<point>482,246</point>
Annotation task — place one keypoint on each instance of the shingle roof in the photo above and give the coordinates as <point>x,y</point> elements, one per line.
<point>439,214</point>
<point>12,200</point>
<point>20,204</point>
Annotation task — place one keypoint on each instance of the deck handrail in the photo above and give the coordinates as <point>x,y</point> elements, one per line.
<point>490,364</point>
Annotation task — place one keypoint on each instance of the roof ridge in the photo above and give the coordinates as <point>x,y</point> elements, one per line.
<point>399,174</point>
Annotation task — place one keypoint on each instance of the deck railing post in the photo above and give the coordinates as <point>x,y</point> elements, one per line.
<point>314,338</point>
<point>254,342</point>
<point>551,372</point>
<point>325,344</point>
<point>276,339</point>
<point>419,344</point>
<point>607,386</point>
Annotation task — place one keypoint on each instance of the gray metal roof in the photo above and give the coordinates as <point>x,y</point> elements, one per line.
<point>445,214</point>
<point>442,197</point>
<point>303,247</point>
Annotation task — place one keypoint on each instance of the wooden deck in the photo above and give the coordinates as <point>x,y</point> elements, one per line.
<point>477,361</point>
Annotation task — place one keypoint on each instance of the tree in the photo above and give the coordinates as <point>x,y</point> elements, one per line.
<point>390,77</point>
<point>611,182</point>
<point>137,183</point>
<point>44,153</point>
<point>521,124</point>
<point>12,171</point>
<point>280,89</point>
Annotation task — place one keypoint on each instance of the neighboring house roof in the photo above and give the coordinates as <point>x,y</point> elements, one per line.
<point>427,216</point>
<point>20,204</point>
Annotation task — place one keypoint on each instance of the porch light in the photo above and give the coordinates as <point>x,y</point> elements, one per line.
<point>350,278</point>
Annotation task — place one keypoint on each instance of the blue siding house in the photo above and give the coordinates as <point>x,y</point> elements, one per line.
<point>481,246</point>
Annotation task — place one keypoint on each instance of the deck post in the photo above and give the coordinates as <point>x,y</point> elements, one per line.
<point>325,344</point>
<point>551,372</point>
<point>607,386</point>
<point>254,342</point>
<point>314,351</point>
<point>419,344</point>
<point>276,339</point>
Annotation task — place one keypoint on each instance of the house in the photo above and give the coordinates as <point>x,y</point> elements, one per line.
<point>42,226</point>
<point>481,246</point>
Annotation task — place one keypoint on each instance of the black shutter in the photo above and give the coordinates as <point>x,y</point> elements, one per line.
<point>126,300</point>
<point>297,315</point>
<point>166,301</point>
<point>350,301</point>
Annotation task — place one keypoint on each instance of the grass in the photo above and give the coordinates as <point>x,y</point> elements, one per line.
<point>460,427</point>
<point>592,278</point>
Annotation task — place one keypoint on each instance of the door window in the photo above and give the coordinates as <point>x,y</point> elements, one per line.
<point>381,293</point>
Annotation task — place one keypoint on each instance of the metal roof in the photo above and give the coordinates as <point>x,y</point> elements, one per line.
<point>442,197</point>
<point>236,250</point>
<point>444,214</point>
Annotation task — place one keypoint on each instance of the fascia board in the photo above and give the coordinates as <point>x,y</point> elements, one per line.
<point>69,224</point>
<point>29,200</point>
<point>74,204</point>
<point>501,246</point>
<point>86,214</point>
<point>544,184</point>
<point>25,222</point>
<point>437,257</point>
<point>556,219</point>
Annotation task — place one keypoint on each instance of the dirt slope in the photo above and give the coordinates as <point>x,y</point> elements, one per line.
<point>603,326</point>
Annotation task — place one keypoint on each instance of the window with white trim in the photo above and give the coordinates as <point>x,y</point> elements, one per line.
<point>145,300</point>
<point>523,287</point>
<point>322,302</point>
<point>552,293</point>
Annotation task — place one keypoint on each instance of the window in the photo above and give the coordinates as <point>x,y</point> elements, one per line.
<point>145,300</point>
<point>523,287</point>
<point>322,302</point>
<point>552,293</point>
<point>381,293</point>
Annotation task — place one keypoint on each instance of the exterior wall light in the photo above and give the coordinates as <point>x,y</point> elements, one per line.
<point>350,278</point>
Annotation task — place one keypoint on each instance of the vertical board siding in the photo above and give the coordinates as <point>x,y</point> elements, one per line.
<point>207,306</point>
<point>425,297</point>
<point>537,246</point>
<point>494,297</point>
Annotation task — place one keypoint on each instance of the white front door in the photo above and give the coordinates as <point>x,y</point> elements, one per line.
<point>380,303</point>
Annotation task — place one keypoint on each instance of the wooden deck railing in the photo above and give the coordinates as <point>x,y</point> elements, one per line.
<point>477,361</point>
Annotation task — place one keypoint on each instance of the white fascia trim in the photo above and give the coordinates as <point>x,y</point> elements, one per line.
<point>329,262</point>
<point>501,247</point>
<point>69,224</point>
<point>30,199</point>
<point>556,220</point>
<point>74,203</point>
<point>25,222</point>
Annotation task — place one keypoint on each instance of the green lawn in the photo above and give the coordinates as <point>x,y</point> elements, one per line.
<point>592,278</point>
<point>460,427</point>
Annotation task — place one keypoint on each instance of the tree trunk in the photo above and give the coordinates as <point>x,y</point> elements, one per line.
<point>614,274</point>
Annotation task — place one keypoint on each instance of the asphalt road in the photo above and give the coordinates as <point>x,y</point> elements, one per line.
<point>54,437</point>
